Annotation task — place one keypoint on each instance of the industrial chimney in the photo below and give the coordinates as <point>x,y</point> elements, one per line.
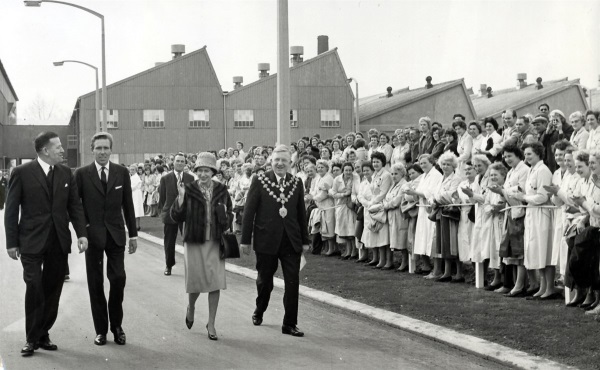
<point>429,84</point>
<point>482,89</point>
<point>263,69</point>
<point>522,80</point>
<point>297,52</point>
<point>539,83</point>
<point>177,50</point>
<point>322,44</point>
<point>237,82</point>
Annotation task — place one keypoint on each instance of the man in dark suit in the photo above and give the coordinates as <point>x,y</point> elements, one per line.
<point>168,192</point>
<point>105,191</point>
<point>46,193</point>
<point>274,212</point>
<point>3,185</point>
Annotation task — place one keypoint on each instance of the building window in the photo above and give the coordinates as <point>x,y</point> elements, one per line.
<point>72,142</point>
<point>112,120</point>
<point>154,118</point>
<point>199,118</point>
<point>294,118</point>
<point>330,118</point>
<point>243,118</point>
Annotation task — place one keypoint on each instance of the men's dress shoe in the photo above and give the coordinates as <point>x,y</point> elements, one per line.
<point>168,271</point>
<point>100,340</point>
<point>256,320</point>
<point>292,330</point>
<point>119,336</point>
<point>47,344</point>
<point>28,349</point>
<point>444,279</point>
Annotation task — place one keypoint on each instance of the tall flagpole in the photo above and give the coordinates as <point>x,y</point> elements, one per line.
<point>283,74</point>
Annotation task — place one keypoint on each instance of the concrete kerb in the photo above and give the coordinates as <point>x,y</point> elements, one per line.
<point>477,346</point>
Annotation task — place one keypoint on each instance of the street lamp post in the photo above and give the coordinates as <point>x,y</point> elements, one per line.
<point>58,64</point>
<point>38,3</point>
<point>357,118</point>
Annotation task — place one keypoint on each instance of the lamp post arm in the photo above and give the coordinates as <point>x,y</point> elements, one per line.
<point>80,62</point>
<point>75,6</point>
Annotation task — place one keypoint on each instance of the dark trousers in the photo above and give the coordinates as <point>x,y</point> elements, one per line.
<point>115,271</point>
<point>170,239</point>
<point>44,275</point>
<point>266,265</point>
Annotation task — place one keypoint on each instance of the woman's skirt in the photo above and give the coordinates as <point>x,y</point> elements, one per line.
<point>512,247</point>
<point>446,242</point>
<point>204,268</point>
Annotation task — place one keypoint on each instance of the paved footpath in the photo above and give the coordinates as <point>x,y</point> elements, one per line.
<point>157,337</point>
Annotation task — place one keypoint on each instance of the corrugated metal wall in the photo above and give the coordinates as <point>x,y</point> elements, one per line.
<point>177,87</point>
<point>439,107</point>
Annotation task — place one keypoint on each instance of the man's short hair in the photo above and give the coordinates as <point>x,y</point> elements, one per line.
<point>282,149</point>
<point>514,112</point>
<point>544,105</point>
<point>102,136</point>
<point>239,142</point>
<point>43,139</point>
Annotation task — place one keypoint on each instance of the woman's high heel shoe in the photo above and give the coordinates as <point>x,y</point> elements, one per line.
<point>211,336</point>
<point>188,323</point>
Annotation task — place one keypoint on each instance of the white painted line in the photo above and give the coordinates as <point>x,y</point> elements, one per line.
<point>467,343</point>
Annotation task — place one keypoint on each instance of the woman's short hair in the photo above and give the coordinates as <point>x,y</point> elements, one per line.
<point>561,145</point>
<point>323,163</point>
<point>448,157</point>
<point>514,149</point>
<point>594,113</point>
<point>498,166</point>
<point>481,158</point>
<point>426,120</point>
<point>359,143</point>
<point>440,131</point>
<point>336,141</point>
<point>380,156</point>
<point>415,167</point>
<point>347,164</point>
<point>582,156</point>
<point>326,148</point>
<point>476,124</point>
<point>337,164</point>
<point>246,166</point>
<point>452,133</point>
<point>366,164</point>
<point>429,157</point>
<point>492,121</point>
<point>536,147</point>
<point>386,136</point>
<point>460,124</point>
<point>400,168</point>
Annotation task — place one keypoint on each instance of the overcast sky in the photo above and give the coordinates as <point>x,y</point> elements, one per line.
<point>381,43</point>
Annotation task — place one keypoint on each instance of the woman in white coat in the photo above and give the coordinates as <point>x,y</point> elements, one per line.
<point>398,224</point>
<point>538,220</point>
<point>425,229</point>
<point>465,226</point>
<point>136,192</point>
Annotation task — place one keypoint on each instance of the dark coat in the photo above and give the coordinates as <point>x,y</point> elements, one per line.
<point>27,190</point>
<point>168,192</point>
<point>104,212</point>
<point>193,212</point>
<point>262,218</point>
<point>452,147</point>
<point>426,144</point>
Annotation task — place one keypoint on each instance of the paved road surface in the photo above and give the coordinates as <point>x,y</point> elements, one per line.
<point>157,337</point>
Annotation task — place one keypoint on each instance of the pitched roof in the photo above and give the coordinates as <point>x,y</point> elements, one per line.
<point>376,105</point>
<point>10,86</point>
<point>163,65</point>
<point>304,64</point>
<point>518,98</point>
<point>595,93</point>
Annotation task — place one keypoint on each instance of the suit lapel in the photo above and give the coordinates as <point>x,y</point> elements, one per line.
<point>95,177</point>
<point>112,176</point>
<point>56,180</point>
<point>40,176</point>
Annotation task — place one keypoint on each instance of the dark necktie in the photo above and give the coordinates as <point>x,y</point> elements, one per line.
<point>179,180</point>
<point>281,182</point>
<point>103,177</point>
<point>49,178</point>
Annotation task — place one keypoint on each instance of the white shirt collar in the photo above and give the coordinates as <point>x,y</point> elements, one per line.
<point>278,177</point>
<point>45,166</point>
<point>98,166</point>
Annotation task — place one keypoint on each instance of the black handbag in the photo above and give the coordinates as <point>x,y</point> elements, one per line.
<point>452,213</point>
<point>229,247</point>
